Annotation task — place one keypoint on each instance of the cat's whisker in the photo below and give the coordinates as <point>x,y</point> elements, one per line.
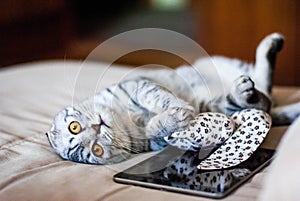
<point>126,146</point>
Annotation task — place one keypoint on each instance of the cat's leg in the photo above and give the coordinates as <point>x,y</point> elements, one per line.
<point>244,95</point>
<point>170,112</point>
<point>266,53</point>
<point>262,75</point>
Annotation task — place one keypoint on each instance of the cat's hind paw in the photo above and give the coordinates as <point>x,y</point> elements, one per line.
<point>270,45</point>
<point>244,95</point>
<point>276,41</point>
<point>244,91</point>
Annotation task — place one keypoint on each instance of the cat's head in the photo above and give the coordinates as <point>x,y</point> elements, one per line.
<point>84,135</point>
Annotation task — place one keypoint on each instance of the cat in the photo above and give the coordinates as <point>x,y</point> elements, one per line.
<point>134,115</point>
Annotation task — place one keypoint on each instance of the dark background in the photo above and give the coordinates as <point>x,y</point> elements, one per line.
<point>32,30</point>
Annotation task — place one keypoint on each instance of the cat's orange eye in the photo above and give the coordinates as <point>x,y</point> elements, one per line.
<point>75,127</point>
<point>97,150</point>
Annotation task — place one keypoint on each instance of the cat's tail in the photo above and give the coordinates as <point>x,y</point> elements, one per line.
<point>286,114</point>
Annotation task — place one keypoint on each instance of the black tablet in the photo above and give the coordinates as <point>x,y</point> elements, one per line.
<point>176,170</point>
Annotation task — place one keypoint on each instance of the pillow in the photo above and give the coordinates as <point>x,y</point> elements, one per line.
<point>237,137</point>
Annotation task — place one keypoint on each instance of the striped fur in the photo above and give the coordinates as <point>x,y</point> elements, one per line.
<point>135,115</point>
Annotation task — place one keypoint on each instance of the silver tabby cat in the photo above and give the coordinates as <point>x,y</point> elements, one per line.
<point>134,115</point>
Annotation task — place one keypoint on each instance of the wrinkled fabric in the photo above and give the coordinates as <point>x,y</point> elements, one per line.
<point>30,95</point>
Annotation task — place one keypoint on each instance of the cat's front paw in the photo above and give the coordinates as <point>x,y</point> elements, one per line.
<point>172,120</point>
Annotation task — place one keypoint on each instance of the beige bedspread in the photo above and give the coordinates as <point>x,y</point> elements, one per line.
<point>30,95</point>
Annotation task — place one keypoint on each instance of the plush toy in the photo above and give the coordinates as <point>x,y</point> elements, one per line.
<point>228,140</point>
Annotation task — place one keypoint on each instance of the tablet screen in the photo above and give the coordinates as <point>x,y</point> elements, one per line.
<point>176,170</point>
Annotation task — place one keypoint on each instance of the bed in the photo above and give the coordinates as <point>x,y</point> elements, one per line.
<point>32,93</point>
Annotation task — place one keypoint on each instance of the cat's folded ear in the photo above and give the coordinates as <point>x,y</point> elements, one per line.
<point>48,137</point>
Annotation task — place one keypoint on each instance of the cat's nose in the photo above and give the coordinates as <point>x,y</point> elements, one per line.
<point>96,127</point>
